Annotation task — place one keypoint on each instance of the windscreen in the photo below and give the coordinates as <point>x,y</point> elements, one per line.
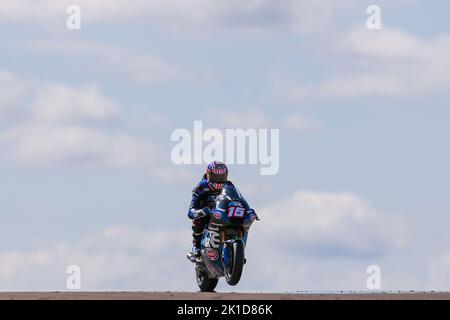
<point>230,194</point>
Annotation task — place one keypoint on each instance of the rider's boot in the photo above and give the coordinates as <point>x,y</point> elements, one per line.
<point>194,255</point>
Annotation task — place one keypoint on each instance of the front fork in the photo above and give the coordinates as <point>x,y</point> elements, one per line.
<point>226,253</point>
<point>228,245</point>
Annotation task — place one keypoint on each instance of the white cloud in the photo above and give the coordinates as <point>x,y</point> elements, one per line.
<point>308,241</point>
<point>52,144</point>
<point>438,273</point>
<point>178,15</point>
<point>65,124</point>
<point>418,65</point>
<point>385,63</point>
<point>60,103</point>
<point>329,223</point>
<point>12,89</point>
<point>141,69</point>
<point>246,118</point>
<point>320,241</point>
<point>257,118</point>
<point>384,44</point>
<point>119,258</point>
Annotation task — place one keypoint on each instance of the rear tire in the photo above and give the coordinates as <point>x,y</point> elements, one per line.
<point>205,283</point>
<point>237,263</point>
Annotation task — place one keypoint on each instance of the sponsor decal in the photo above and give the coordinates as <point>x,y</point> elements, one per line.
<point>212,254</point>
<point>236,212</point>
<point>235,204</point>
<point>214,236</point>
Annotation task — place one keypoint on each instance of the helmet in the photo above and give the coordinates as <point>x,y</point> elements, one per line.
<point>217,175</point>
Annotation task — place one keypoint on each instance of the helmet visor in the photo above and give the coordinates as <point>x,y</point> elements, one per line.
<point>217,178</point>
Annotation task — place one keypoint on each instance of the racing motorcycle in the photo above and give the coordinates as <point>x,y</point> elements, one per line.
<point>224,240</point>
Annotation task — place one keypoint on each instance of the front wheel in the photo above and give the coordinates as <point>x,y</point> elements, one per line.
<point>205,283</point>
<point>236,263</point>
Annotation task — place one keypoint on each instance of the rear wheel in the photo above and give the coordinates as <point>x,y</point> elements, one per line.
<point>236,263</point>
<point>205,283</point>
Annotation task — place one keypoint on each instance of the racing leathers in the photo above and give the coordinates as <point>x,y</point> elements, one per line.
<point>203,200</point>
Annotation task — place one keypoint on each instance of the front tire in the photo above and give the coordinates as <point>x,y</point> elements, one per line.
<point>205,283</point>
<point>236,264</point>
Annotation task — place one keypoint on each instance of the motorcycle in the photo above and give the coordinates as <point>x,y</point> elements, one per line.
<point>224,240</point>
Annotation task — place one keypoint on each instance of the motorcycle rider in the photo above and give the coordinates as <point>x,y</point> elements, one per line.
<point>203,200</point>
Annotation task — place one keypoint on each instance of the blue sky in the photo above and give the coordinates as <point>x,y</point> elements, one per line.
<point>86,118</point>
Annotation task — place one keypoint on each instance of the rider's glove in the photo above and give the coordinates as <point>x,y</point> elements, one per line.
<point>254,212</point>
<point>203,213</point>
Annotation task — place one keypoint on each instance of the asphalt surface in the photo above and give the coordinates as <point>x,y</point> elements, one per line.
<point>222,296</point>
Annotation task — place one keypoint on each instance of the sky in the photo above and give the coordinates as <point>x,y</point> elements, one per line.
<point>86,118</point>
